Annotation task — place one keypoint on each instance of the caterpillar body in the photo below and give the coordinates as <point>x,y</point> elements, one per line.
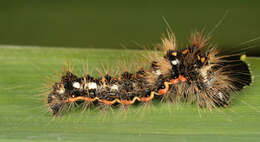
<point>197,73</point>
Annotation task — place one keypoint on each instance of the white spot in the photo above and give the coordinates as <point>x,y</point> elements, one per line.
<point>76,85</point>
<point>73,96</point>
<point>61,91</point>
<point>114,87</point>
<point>220,94</point>
<point>157,72</point>
<point>92,85</point>
<point>175,62</point>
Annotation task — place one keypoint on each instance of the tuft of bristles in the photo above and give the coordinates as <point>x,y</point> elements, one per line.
<point>196,73</point>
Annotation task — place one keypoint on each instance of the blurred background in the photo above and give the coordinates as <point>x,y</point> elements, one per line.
<point>119,23</point>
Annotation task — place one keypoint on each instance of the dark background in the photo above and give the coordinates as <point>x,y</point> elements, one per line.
<point>111,24</point>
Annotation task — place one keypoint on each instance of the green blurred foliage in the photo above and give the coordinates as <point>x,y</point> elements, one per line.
<point>111,24</point>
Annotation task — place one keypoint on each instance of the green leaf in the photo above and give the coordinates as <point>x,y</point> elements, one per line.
<point>24,116</point>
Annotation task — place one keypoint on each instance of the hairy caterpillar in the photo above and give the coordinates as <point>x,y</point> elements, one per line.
<point>197,73</point>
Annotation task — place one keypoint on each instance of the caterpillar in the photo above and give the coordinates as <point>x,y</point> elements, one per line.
<point>198,73</point>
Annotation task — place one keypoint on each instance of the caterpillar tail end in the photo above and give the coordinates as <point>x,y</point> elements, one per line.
<point>241,75</point>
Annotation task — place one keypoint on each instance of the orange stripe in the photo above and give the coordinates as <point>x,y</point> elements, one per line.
<point>196,89</point>
<point>143,99</point>
<point>185,51</point>
<point>165,90</point>
<point>147,99</point>
<point>175,81</point>
<point>182,78</point>
<point>108,102</point>
<point>162,91</point>
<point>103,80</point>
<point>202,59</point>
<point>81,98</point>
<point>126,102</point>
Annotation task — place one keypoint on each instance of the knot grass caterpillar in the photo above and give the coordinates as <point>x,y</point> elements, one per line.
<point>196,73</point>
